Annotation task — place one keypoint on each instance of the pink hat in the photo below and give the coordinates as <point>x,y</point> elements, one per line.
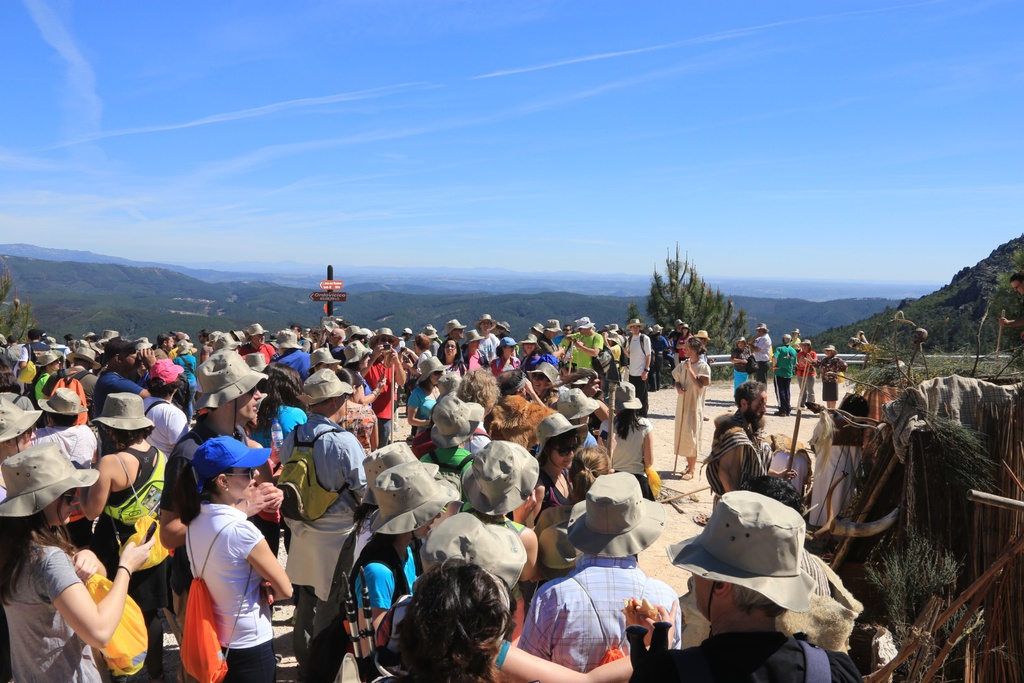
<point>165,371</point>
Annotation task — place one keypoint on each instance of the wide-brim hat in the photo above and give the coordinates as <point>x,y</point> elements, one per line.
<point>15,421</point>
<point>472,336</point>
<point>86,355</point>
<point>615,520</point>
<point>353,331</point>
<point>382,459</point>
<point>453,324</point>
<point>430,365</point>
<point>574,404</point>
<point>762,326</point>
<point>546,369</point>
<point>502,476</point>
<point>408,497</point>
<point>455,421</point>
<point>703,334</point>
<point>635,322</point>
<point>322,385</point>
<point>287,339</point>
<point>528,339</point>
<point>554,425</point>
<point>449,383</point>
<point>658,329</point>
<point>503,324</point>
<point>355,352</point>
<point>495,548</point>
<point>254,329</point>
<point>63,402</point>
<point>224,377</point>
<point>753,541</point>
<point>322,355</point>
<point>584,323</point>
<point>44,358</point>
<point>807,341</point>
<point>485,318</point>
<point>625,396</point>
<point>381,333</point>
<point>829,348</point>
<point>556,555</point>
<point>430,331</point>
<point>109,334</point>
<point>225,342</point>
<point>257,361</point>
<point>37,476</point>
<point>124,410</point>
<point>553,325</point>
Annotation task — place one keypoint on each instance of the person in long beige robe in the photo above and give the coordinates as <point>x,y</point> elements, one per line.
<point>691,378</point>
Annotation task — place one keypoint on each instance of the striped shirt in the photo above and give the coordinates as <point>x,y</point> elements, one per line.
<point>731,432</point>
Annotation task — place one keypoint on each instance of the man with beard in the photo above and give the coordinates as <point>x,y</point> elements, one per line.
<point>738,452</point>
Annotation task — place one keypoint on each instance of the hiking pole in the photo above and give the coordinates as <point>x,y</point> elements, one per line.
<point>367,616</point>
<point>351,618</point>
<point>999,332</point>
<point>796,427</point>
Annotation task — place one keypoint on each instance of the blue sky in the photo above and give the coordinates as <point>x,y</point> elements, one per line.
<point>839,140</point>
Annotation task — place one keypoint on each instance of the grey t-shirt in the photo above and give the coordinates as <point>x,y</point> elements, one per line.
<point>44,649</point>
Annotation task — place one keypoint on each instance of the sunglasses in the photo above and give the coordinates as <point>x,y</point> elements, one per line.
<point>251,473</point>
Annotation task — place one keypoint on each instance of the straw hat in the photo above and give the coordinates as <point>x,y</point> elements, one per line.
<point>322,385</point>
<point>574,404</point>
<point>287,339</point>
<point>14,421</point>
<point>322,355</point>
<point>495,548</point>
<point>408,497</point>
<point>224,377</point>
<point>615,520</point>
<point>63,402</point>
<point>553,425</point>
<point>38,476</point>
<point>355,352</point>
<point>750,541</point>
<point>807,342</point>
<point>502,476</point>
<point>703,334</point>
<point>86,355</point>
<point>124,410</point>
<point>385,458</point>
<point>454,421</point>
<point>625,396</point>
<point>556,555</point>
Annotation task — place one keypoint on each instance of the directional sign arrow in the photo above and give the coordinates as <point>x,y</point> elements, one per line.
<point>329,296</point>
<point>329,285</point>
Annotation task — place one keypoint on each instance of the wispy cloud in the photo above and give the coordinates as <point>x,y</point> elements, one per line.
<point>698,40</point>
<point>251,113</point>
<point>83,103</point>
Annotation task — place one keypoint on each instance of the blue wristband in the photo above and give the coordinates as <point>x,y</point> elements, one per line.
<point>502,653</point>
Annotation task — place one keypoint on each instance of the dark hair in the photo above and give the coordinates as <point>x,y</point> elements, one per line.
<point>163,337</point>
<point>749,391</point>
<point>1018,276</point>
<point>582,373</point>
<point>455,624</point>
<point>118,346</point>
<point>511,381</point>
<point>187,499</point>
<point>17,536</point>
<point>283,388</point>
<point>565,442</point>
<point>121,439</point>
<point>775,488</point>
<point>8,382</point>
<point>626,421</point>
<point>588,464</point>
<point>59,420</point>
<point>160,389</point>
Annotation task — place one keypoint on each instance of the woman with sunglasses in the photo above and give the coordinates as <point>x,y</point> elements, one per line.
<point>214,495</point>
<point>131,480</point>
<point>55,621</point>
<point>450,356</point>
<point>423,398</point>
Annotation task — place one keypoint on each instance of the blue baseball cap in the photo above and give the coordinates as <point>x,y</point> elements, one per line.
<point>221,454</point>
<point>506,341</point>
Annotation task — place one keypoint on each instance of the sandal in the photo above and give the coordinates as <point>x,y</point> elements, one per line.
<point>700,519</point>
<point>687,475</point>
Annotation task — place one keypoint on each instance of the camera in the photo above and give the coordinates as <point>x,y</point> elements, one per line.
<point>386,346</point>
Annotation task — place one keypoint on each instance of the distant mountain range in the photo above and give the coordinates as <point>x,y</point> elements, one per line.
<point>79,296</point>
<point>482,280</point>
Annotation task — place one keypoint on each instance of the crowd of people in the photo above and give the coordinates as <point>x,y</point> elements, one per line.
<point>498,542</point>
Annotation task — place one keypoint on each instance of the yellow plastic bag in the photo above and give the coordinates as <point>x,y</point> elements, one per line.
<point>28,373</point>
<point>126,652</point>
<point>158,553</point>
<point>654,480</point>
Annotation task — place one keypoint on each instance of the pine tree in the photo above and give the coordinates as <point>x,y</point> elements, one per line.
<point>15,315</point>
<point>633,311</point>
<point>681,293</point>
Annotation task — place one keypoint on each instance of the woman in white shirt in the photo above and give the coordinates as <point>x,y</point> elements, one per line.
<point>634,438</point>
<point>230,554</point>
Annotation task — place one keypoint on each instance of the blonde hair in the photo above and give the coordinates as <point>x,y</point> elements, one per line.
<point>479,386</point>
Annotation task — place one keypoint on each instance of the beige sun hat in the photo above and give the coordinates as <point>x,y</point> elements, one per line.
<point>615,520</point>
<point>762,326</point>
<point>63,402</point>
<point>453,324</point>
<point>553,425</point>
<point>472,336</point>
<point>431,365</point>
<point>322,385</point>
<point>225,342</point>
<point>455,421</point>
<point>750,541</point>
<point>830,347</point>
<point>109,334</point>
<point>45,358</point>
<point>449,383</point>
<point>556,555</point>
<point>546,369</point>
<point>124,410</point>
<point>574,404</point>
<point>86,355</point>
<point>254,329</point>
<point>322,355</point>
<point>502,476</point>
<point>408,497</point>
<point>625,396</point>
<point>185,347</point>
<point>355,352</point>
<point>224,377</point>
<point>528,339</point>
<point>385,458</point>
<point>430,331</point>
<point>553,325</point>
<point>635,322</point>
<point>464,537</point>
<point>38,476</point>
<point>257,361</point>
<point>485,318</point>
<point>287,339</point>
<point>353,331</point>
<point>703,334</point>
<point>14,421</point>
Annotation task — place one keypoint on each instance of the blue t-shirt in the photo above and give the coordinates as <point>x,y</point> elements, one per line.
<point>381,582</point>
<point>295,359</point>
<point>111,383</point>
<point>188,362</point>
<point>422,403</point>
<point>289,417</point>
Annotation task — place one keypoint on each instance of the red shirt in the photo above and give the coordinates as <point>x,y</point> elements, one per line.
<point>266,349</point>
<point>803,357</point>
<point>382,406</point>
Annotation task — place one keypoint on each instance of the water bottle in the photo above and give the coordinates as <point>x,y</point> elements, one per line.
<point>276,439</point>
